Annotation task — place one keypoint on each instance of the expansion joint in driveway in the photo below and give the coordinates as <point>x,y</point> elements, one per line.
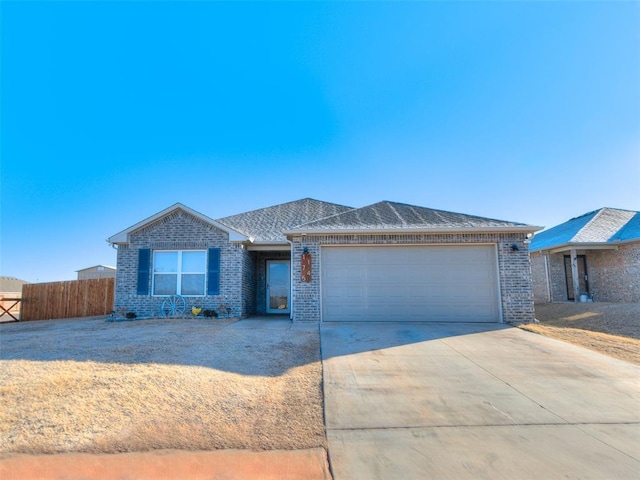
<point>491,425</point>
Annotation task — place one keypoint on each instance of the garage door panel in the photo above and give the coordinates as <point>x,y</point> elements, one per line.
<point>437,283</point>
<point>345,292</point>
<point>341,274</point>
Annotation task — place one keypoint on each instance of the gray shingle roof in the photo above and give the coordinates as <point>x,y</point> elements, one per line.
<point>606,225</point>
<point>387,215</point>
<point>267,224</point>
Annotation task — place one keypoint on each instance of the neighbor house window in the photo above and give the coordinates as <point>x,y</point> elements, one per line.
<point>179,272</point>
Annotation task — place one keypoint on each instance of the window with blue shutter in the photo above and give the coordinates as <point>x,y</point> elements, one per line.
<point>144,266</point>
<point>213,272</point>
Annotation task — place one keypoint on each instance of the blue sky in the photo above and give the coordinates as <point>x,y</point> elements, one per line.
<point>113,111</point>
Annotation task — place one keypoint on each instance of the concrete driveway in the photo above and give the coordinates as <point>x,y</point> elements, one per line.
<point>419,401</point>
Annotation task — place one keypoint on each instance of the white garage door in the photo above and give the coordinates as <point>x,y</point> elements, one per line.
<point>410,283</point>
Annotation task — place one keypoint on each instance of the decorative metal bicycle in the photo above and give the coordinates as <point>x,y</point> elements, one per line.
<point>173,306</point>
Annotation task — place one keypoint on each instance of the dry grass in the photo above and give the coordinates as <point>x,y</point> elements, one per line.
<point>91,386</point>
<point>609,328</point>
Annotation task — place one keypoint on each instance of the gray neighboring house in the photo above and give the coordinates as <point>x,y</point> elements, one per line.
<point>319,261</point>
<point>593,256</point>
<point>9,285</point>
<point>97,271</point>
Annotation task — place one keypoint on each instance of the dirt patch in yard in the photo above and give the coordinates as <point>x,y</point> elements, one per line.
<point>93,386</point>
<point>308,464</point>
<point>609,328</point>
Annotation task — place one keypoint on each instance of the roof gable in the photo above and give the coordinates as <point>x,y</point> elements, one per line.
<point>123,236</point>
<point>393,216</point>
<point>268,224</point>
<point>602,226</point>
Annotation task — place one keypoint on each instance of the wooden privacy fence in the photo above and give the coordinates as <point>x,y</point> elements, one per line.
<point>76,298</point>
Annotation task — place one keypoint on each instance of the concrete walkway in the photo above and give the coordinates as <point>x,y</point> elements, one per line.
<point>418,401</point>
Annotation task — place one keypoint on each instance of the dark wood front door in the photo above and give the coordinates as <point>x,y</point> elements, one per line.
<point>583,279</point>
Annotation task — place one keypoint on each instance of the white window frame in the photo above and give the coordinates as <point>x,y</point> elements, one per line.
<point>179,273</point>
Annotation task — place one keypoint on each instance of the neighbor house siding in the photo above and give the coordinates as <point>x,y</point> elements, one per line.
<point>541,290</point>
<point>614,275</point>
<point>557,278</point>
<point>549,282</point>
<point>96,272</point>
<point>514,269</point>
<point>179,231</point>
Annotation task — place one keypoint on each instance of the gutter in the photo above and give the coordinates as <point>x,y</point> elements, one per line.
<point>564,247</point>
<point>371,231</point>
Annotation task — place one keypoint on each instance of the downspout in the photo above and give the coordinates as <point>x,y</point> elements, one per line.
<point>546,277</point>
<point>290,280</point>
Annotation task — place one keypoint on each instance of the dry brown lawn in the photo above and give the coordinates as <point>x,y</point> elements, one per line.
<point>91,386</point>
<point>609,328</point>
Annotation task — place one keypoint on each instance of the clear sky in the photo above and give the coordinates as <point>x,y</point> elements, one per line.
<point>113,111</point>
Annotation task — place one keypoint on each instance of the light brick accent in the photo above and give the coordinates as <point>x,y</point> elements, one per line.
<point>513,267</point>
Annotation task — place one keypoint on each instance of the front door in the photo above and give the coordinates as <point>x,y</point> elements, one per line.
<point>583,279</point>
<point>278,286</point>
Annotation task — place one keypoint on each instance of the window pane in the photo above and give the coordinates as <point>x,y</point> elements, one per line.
<point>193,284</point>
<point>193,261</point>
<point>164,284</point>
<point>165,262</point>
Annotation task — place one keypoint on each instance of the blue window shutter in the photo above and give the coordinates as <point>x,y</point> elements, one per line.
<point>144,266</point>
<point>213,272</point>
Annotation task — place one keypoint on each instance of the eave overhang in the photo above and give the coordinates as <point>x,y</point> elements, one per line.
<point>567,247</point>
<point>268,246</point>
<point>523,229</point>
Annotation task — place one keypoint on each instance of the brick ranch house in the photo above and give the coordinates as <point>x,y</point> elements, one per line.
<point>319,261</point>
<point>593,256</point>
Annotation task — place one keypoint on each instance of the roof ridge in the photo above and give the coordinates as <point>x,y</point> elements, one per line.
<point>620,234</point>
<point>600,212</point>
<point>619,209</point>
<point>327,217</point>
<point>597,215</point>
<point>440,211</point>
<point>353,209</point>
<point>397,214</point>
<point>282,205</point>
